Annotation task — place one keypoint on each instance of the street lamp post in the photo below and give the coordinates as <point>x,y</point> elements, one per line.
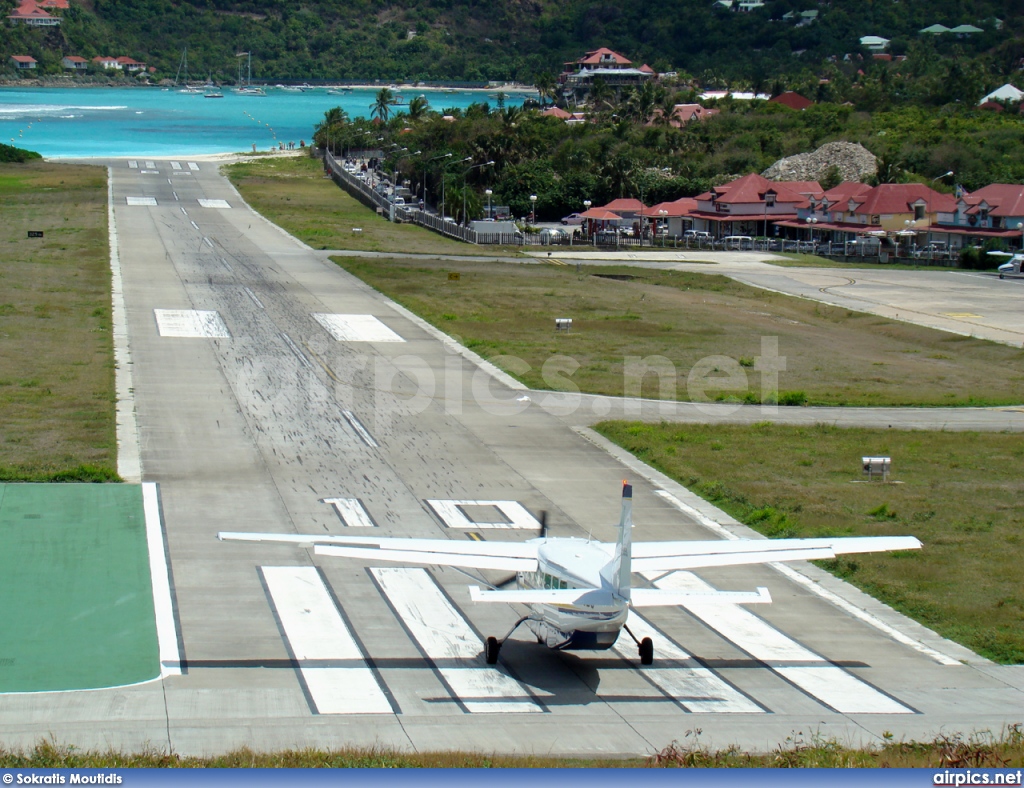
<point>444,169</point>
<point>910,224</point>
<point>811,221</point>
<point>488,192</point>
<point>464,174</point>
<point>586,207</point>
<point>533,209</point>
<point>423,194</point>
<point>662,215</point>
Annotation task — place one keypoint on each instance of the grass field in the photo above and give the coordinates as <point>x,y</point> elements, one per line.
<point>1001,749</point>
<point>294,194</point>
<point>833,356</point>
<point>961,494</point>
<point>56,352</point>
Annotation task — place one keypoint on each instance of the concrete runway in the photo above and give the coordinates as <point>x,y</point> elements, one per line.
<point>259,408</point>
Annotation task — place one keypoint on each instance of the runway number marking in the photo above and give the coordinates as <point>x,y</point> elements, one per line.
<point>140,200</point>
<point>356,328</point>
<point>190,324</point>
<point>457,514</point>
<point>447,640</point>
<point>317,633</point>
<point>827,683</point>
<point>352,512</point>
<point>213,203</point>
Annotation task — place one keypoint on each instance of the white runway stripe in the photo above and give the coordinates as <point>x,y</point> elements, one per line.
<point>356,328</point>
<point>361,431</point>
<point>696,688</point>
<point>175,165</point>
<point>190,323</point>
<point>193,166</point>
<point>352,512</point>
<point>316,632</point>
<point>453,515</point>
<point>150,165</point>
<point>445,637</point>
<point>820,679</point>
<point>134,165</point>
<point>140,200</point>
<point>205,203</point>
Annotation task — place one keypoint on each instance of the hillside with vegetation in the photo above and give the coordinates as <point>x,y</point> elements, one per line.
<point>462,40</point>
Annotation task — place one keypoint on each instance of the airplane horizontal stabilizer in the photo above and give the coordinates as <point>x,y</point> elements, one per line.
<point>668,562</point>
<point>546,596</point>
<point>433,558</point>
<point>838,545</point>
<point>651,597</point>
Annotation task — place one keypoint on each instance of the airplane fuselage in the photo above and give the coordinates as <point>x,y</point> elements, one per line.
<point>577,627</point>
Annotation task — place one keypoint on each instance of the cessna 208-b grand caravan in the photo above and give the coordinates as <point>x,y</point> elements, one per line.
<point>579,591</point>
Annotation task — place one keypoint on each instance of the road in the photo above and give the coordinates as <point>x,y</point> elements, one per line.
<point>262,404</point>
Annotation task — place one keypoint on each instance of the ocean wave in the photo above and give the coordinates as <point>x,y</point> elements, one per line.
<point>36,109</point>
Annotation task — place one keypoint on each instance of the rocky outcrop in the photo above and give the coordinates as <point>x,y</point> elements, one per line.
<point>854,162</point>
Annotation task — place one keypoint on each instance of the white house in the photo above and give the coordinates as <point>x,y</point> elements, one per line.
<point>874,43</point>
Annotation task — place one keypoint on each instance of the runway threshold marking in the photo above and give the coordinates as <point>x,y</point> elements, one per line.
<point>445,637</point>
<point>205,203</point>
<point>193,166</point>
<point>150,165</point>
<point>352,512</point>
<point>140,200</point>
<point>360,430</point>
<point>319,640</point>
<point>453,514</point>
<point>175,165</point>
<point>801,667</point>
<point>356,328</point>
<point>190,324</point>
<point>694,687</point>
<point>133,165</point>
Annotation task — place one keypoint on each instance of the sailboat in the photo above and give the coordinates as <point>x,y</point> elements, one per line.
<point>183,66</point>
<point>245,87</point>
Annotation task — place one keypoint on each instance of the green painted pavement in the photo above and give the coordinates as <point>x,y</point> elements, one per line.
<point>76,604</point>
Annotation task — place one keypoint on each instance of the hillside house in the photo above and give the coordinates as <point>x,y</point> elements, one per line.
<point>792,100</point>
<point>23,62</point>
<point>74,63</point>
<point>130,65</point>
<point>29,13</point>
<point>874,43</point>
<point>106,62</point>
<point>615,70</point>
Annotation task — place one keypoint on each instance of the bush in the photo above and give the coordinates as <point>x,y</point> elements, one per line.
<point>8,153</point>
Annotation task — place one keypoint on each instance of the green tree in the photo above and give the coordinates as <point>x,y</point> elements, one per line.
<point>381,107</point>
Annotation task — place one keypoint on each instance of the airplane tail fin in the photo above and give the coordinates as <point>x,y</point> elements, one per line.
<point>621,565</point>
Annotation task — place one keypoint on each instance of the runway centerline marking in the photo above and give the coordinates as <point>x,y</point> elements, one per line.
<point>453,514</point>
<point>812,673</point>
<point>442,634</point>
<point>190,324</point>
<point>352,512</point>
<point>356,328</point>
<point>251,294</point>
<point>316,632</point>
<point>295,349</point>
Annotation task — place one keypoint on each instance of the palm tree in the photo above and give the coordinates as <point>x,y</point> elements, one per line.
<point>329,131</point>
<point>499,99</point>
<point>418,108</point>
<point>545,84</point>
<point>381,107</point>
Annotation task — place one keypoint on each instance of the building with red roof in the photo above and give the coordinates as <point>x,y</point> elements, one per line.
<point>57,5</point>
<point>792,100</point>
<point>74,63</point>
<point>615,70</point>
<point>747,205</point>
<point>130,65</point>
<point>994,211</point>
<point>24,62</point>
<point>676,214</point>
<point>29,13</point>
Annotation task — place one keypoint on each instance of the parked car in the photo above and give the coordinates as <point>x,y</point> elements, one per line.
<point>398,201</point>
<point>698,235</point>
<point>932,250</point>
<point>736,242</point>
<point>572,218</point>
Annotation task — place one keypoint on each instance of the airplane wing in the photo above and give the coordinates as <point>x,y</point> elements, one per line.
<point>510,556</point>
<point>663,556</point>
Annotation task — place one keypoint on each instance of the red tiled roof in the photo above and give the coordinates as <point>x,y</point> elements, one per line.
<point>1004,199</point>
<point>680,207</point>
<point>647,69</point>
<point>53,4</point>
<point>28,10</point>
<point>600,214</point>
<point>899,197</point>
<point>792,100</point>
<point>625,204</point>
<point>846,190</point>
<point>75,59</point>
<point>556,112</point>
<point>23,59</point>
<point>752,188</point>
<point>593,58</point>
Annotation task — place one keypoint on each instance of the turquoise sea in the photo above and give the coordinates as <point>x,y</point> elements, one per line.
<point>150,121</point>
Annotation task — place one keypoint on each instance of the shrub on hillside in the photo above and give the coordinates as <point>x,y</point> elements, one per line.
<point>8,153</point>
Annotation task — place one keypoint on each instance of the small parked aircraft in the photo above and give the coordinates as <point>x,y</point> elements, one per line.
<point>579,591</point>
<point>1011,267</point>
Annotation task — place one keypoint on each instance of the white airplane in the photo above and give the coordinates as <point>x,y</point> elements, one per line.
<point>1011,267</point>
<point>579,591</point>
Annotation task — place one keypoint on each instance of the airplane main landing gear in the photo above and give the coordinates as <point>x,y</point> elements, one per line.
<point>646,647</point>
